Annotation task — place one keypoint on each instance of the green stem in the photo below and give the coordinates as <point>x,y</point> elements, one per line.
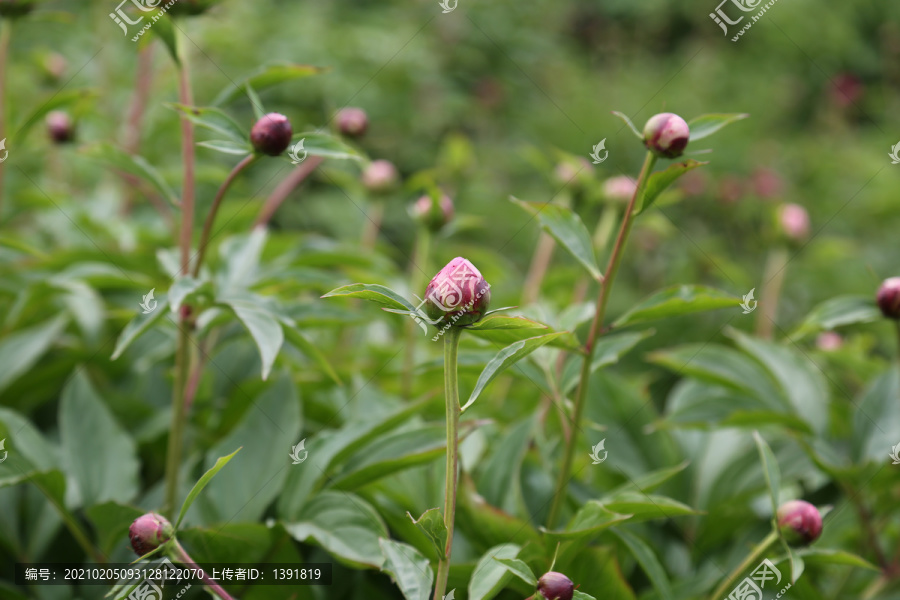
<point>180,555</point>
<point>185,96</point>
<point>214,209</point>
<point>612,268</point>
<point>754,557</point>
<point>451,400</point>
<point>773,281</point>
<point>418,267</point>
<point>74,527</point>
<point>176,430</point>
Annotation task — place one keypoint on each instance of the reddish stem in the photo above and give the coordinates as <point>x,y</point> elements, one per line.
<point>285,188</point>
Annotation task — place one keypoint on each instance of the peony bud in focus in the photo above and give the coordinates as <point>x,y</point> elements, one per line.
<point>794,222</point>
<point>458,295</point>
<point>433,214</point>
<point>189,7</point>
<point>352,122</point>
<point>148,532</point>
<point>620,188</point>
<point>555,586</point>
<point>380,176</point>
<point>800,522</point>
<point>889,298</point>
<point>271,134</point>
<point>15,8</point>
<point>60,127</point>
<point>666,135</point>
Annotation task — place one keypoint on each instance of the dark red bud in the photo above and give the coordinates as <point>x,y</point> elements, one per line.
<point>800,522</point>
<point>889,298</point>
<point>555,586</point>
<point>148,532</point>
<point>352,122</point>
<point>666,135</point>
<point>60,127</point>
<point>271,134</point>
<point>458,295</point>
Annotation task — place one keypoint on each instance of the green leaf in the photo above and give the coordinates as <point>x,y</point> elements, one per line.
<point>876,420</point>
<point>506,358</point>
<point>590,520</point>
<point>577,595</point>
<point>266,77</point>
<point>379,294</point>
<point>75,99</point>
<point>505,330</point>
<point>346,526</point>
<point>519,569</point>
<point>644,507</point>
<point>837,312</point>
<point>401,450</point>
<point>327,146</point>
<point>259,110</point>
<point>645,557</point>
<point>677,301</point>
<point>631,126</point>
<point>214,120</point>
<point>566,228</point>
<point>658,182</point>
<point>499,478</point>
<point>490,576</point>
<point>493,323</point>
<point>228,147</point>
<point>132,164</point>
<point>649,482</point>
<point>303,344</point>
<point>99,456</point>
<point>201,483</point>
<point>408,568</point>
<point>20,351</point>
<point>706,125</point>
<point>241,255</point>
<point>165,31</point>
<point>180,290</point>
<point>832,556</point>
<point>264,328</point>
<point>111,521</point>
<point>137,326</point>
<point>432,525</point>
<point>770,469</point>
<point>607,351</point>
<point>254,478</point>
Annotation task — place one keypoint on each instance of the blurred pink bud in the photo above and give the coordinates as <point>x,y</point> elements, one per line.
<point>433,214</point>
<point>889,298</point>
<point>619,188</point>
<point>829,341</point>
<point>60,127</point>
<point>380,176</point>
<point>694,183</point>
<point>731,189</point>
<point>352,122</point>
<point>794,221</point>
<point>666,135</point>
<point>800,522</point>
<point>767,183</point>
<point>846,90</point>
<point>458,295</point>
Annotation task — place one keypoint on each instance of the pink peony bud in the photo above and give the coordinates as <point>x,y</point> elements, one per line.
<point>458,295</point>
<point>60,127</point>
<point>148,532</point>
<point>800,522</point>
<point>433,214</point>
<point>829,341</point>
<point>620,188</point>
<point>767,183</point>
<point>380,176</point>
<point>555,586</point>
<point>794,221</point>
<point>271,134</point>
<point>889,298</point>
<point>352,122</point>
<point>666,135</point>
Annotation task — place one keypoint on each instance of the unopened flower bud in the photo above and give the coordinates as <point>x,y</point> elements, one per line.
<point>352,122</point>
<point>889,298</point>
<point>555,586</point>
<point>794,222</point>
<point>575,173</point>
<point>800,522</point>
<point>271,134</point>
<point>148,532</point>
<point>433,214</point>
<point>54,66</point>
<point>15,8</point>
<point>666,135</point>
<point>767,183</point>
<point>458,295</point>
<point>189,7</point>
<point>829,341</point>
<point>60,127</point>
<point>380,176</point>
<point>620,188</point>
